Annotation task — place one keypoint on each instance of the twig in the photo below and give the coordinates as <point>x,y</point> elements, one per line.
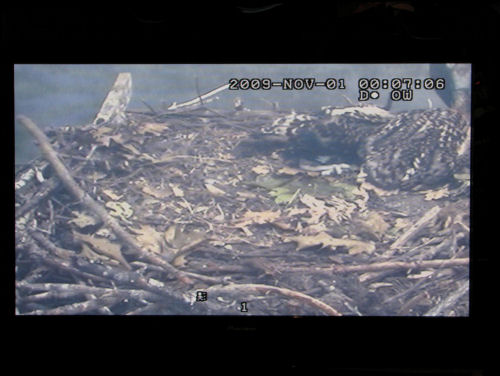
<point>450,300</point>
<point>198,99</point>
<point>80,307</point>
<point>380,266</point>
<point>49,185</point>
<point>416,227</point>
<point>63,290</point>
<point>264,289</point>
<point>57,262</point>
<point>109,273</point>
<point>95,207</point>
<point>203,104</point>
<point>150,107</point>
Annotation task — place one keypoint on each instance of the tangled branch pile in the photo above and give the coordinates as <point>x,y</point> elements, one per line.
<point>140,212</point>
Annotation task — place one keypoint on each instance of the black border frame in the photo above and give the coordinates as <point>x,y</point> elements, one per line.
<point>83,35</point>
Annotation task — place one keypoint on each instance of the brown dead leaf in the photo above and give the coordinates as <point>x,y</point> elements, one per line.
<point>245,195</point>
<point>325,240</point>
<point>289,171</point>
<point>154,128</point>
<point>339,209</point>
<point>179,261</point>
<point>131,148</point>
<point>374,224</point>
<point>316,208</point>
<point>251,217</point>
<point>149,238</point>
<point>283,225</point>
<point>82,219</point>
<point>99,132</point>
<point>437,194</point>
<point>106,140</point>
<point>113,196</point>
<point>179,239</point>
<point>401,223</point>
<point>104,247</point>
<point>94,256</point>
<point>379,191</point>
<point>102,137</point>
<point>213,190</point>
<point>261,217</point>
<point>296,211</point>
<point>314,229</point>
<point>245,230</point>
<point>261,169</point>
<point>169,234</point>
<point>177,191</point>
<point>120,209</point>
<point>156,192</point>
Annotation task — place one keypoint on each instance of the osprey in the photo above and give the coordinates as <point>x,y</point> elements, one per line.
<point>406,150</point>
<point>418,149</point>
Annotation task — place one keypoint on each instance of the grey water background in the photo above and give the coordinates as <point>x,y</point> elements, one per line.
<point>58,95</point>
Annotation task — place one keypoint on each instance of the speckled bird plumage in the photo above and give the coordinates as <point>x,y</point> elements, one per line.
<point>409,150</point>
<point>406,150</point>
<point>417,149</point>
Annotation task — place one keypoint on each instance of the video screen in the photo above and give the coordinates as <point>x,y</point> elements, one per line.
<point>242,189</point>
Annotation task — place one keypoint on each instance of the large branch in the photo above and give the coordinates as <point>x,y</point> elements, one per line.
<point>70,183</point>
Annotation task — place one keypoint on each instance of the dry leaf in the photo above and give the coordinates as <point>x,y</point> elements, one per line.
<point>339,209</point>
<point>260,217</point>
<point>100,135</point>
<point>289,171</point>
<point>261,169</point>
<point>437,194</point>
<point>131,148</point>
<point>314,229</point>
<point>179,261</point>
<point>111,194</point>
<point>82,220</point>
<point>401,223</point>
<point>221,216</point>
<point>200,209</point>
<point>149,238</point>
<point>153,128</point>
<point>245,230</point>
<point>283,225</point>
<point>156,192</point>
<point>297,211</point>
<point>178,239</point>
<point>251,217</point>
<point>94,256</point>
<point>104,247</point>
<point>325,240</point>
<point>185,204</point>
<point>96,175</point>
<point>177,191</point>
<point>106,140</point>
<point>169,234</point>
<point>316,208</point>
<point>246,195</point>
<point>213,190</point>
<point>379,191</point>
<point>375,224</point>
<point>119,209</point>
